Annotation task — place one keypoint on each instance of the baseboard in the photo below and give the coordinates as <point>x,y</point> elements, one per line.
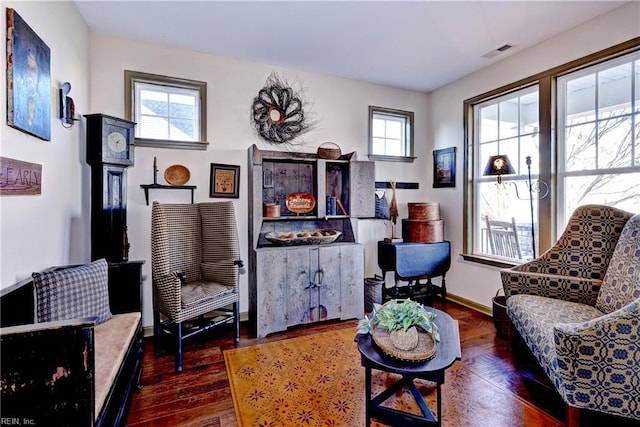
<point>470,304</point>
<point>148,330</point>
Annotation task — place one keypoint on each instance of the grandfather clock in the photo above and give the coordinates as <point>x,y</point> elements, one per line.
<point>110,151</point>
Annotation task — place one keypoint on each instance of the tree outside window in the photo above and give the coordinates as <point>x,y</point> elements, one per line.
<point>595,158</point>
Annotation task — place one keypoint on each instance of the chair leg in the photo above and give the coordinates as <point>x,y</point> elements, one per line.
<point>178,347</point>
<point>573,417</point>
<point>156,332</point>
<point>236,322</point>
<point>443,294</point>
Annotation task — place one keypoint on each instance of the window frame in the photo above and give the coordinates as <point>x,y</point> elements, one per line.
<point>517,161</point>
<point>133,77</point>
<point>633,114</point>
<point>408,116</point>
<point>548,216</point>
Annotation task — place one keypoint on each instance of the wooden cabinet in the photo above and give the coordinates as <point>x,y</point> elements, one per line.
<point>269,315</point>
<point>295,285</point>
<point>306,284</point>
<point>351,273</point>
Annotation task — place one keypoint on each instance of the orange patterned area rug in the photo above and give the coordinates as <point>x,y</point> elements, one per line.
<point>317,380</point>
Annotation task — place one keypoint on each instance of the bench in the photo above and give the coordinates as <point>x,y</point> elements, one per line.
<point>115,343</point>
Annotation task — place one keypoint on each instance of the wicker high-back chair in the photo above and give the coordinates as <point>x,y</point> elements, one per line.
<point>195,258</point>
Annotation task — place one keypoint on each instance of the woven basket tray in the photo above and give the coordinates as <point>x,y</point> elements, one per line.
<point>425,350</point>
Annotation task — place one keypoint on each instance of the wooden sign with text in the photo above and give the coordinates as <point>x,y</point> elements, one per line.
<point>18,177</point>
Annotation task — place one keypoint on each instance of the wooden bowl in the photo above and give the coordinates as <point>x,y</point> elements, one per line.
<point>177,175</point>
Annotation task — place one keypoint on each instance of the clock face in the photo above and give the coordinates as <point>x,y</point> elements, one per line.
<point>110,140</point>
<point>117,142</point>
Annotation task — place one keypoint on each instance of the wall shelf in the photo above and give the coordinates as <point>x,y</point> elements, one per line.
<point>147,187</point>
<point>399,185</point>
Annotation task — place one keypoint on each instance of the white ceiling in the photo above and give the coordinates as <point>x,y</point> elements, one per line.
<point>418,45</point>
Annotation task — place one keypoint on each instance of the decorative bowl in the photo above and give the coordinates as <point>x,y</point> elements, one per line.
<point>300,202</point>
<point>425,350</point>
<point>177,175</point>
<point>311,237</point>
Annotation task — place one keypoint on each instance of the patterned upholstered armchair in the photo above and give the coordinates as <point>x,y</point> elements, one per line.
<point>577,307</point>
<point>195,257</point>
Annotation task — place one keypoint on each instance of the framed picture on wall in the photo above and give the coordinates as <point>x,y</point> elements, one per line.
<point>28,79</point>
<point>225,181</point>
<point>444,167</point>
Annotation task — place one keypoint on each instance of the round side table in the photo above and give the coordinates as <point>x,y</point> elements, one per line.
<point>447,353</point>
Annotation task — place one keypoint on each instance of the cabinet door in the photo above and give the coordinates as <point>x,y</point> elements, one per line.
<point>352,285</point>
<point>362,189</point>
<point>271,295</point>
<point>331,269</point>
<point>301,296</point>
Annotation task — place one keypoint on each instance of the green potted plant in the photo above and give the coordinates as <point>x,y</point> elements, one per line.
<point>401,318</point>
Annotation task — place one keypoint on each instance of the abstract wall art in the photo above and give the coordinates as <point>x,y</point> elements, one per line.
<point>28,79</point>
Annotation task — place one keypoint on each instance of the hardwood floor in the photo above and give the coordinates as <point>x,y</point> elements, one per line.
<point>201,396</point>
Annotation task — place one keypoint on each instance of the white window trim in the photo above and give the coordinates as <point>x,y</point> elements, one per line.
<point>133,77</point>
<point>517,162</point>
<point>562,172</point>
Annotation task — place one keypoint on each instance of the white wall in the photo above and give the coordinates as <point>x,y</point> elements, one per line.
<point>53,228</point>
<point>340,105</point>
<point>470,280</point>
<point>39,231</point>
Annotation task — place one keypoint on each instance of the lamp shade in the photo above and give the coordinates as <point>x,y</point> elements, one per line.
<point>498,165</point>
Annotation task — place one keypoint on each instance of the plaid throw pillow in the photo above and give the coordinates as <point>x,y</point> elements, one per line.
<point>72,293</point>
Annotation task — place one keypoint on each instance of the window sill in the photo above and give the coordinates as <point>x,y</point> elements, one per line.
<point>408,159</point>
<point>494,262</point>
<point>176,145</point>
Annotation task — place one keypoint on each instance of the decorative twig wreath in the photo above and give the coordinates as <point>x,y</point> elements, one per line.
<point>278,113</point>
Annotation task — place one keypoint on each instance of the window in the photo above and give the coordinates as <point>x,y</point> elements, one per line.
<point>599,112</point>
<point>592,157</point>
<point>169,112</point>
<point>509,126</point>
<point>390,134</point>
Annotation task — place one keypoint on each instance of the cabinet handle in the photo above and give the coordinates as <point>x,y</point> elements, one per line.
<point>318,277</point>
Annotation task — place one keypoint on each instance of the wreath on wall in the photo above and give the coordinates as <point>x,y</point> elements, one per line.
<point>278,113</point>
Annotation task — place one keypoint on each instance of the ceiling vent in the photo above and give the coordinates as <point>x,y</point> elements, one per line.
<point>497,51</point>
